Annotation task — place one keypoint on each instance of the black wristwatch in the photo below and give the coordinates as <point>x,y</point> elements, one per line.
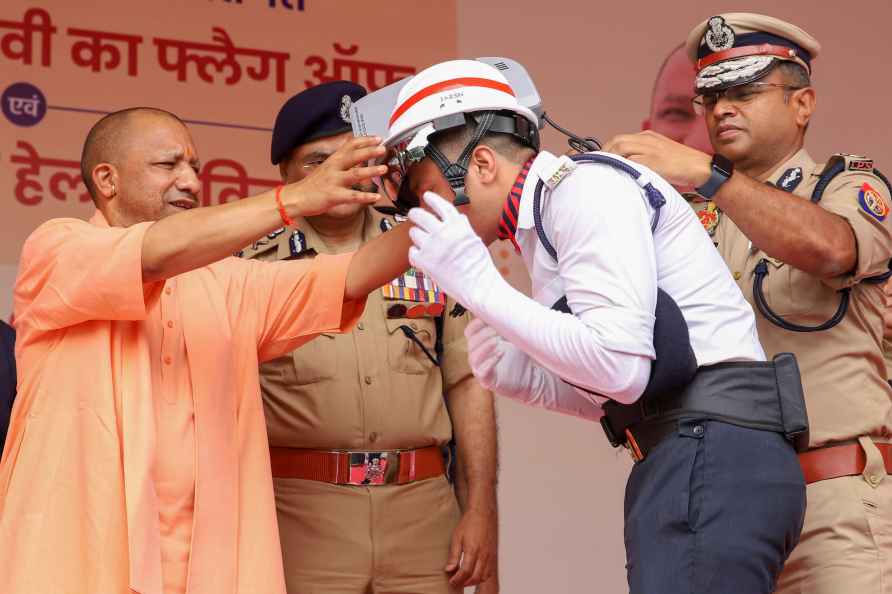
<point>722,169</point>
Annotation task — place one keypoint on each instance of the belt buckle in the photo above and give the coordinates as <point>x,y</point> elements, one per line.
<point>632,446</point>
<point>369,468</point>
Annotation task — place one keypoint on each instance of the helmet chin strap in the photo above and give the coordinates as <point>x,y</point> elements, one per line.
<point>455,171</point>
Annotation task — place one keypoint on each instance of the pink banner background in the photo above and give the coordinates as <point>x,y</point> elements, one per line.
<point>561,486</point>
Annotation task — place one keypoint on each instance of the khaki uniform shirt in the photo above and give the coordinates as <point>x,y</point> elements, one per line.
<point>371,389</point>
<point>843,368</point>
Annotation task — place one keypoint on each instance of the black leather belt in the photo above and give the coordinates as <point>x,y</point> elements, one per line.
<point>758,395</point>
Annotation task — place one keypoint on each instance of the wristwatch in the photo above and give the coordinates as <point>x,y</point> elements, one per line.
<point>722,169</point>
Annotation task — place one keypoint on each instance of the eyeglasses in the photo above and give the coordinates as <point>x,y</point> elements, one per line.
<point>736,96</point>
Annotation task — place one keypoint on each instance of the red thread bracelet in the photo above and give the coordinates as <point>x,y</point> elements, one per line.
<point>289,222</point>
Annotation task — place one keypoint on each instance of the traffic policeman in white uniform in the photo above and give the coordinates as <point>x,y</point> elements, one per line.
<point>634,320</point>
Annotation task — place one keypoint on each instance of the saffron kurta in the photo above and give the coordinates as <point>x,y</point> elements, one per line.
<point>79,506</point>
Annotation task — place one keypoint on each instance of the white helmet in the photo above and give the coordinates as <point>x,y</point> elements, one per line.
<point>448,88</point>
<point>437,99</point>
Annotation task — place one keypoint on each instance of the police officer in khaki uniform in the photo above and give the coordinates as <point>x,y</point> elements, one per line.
<point>809,245</point>
<point>358,424</point>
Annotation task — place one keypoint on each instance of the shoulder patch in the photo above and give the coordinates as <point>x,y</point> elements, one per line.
<point>297,243</point>
<point>790,179</point>
<point>560,169</point>
<point>872,202</point>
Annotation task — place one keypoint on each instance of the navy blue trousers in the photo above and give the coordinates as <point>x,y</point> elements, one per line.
<point>713,509</point>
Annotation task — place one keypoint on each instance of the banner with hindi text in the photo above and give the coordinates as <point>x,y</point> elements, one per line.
<point>223,66</point>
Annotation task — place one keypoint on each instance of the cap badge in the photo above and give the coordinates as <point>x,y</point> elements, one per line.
<point>346,104</point>
<point>719,36</point>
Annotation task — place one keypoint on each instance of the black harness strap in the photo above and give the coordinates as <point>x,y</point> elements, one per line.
<point>675,364</point>
<point>654,196</point>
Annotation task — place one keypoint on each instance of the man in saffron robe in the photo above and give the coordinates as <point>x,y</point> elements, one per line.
<point>137,458</point>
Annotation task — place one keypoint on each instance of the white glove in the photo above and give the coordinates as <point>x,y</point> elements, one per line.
<point>487,352</point>
<point>504,369</point>
<point>447,249</point>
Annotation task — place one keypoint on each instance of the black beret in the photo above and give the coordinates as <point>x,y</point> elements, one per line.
<point>319,111</point>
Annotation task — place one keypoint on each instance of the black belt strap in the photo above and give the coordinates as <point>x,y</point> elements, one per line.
<point>758,395</point>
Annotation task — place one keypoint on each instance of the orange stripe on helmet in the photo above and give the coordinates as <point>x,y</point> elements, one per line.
<point>453,83</point>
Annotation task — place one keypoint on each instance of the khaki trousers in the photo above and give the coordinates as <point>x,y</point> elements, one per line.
<point>343,539</point>
<point>846,543</point>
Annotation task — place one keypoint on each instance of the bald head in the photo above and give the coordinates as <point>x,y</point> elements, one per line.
<point>141,165</point>
<point>674,57</point>
<point>108,138</point>
<point>671,111</point>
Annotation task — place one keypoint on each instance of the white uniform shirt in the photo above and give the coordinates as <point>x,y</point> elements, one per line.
<point>609,266</point>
